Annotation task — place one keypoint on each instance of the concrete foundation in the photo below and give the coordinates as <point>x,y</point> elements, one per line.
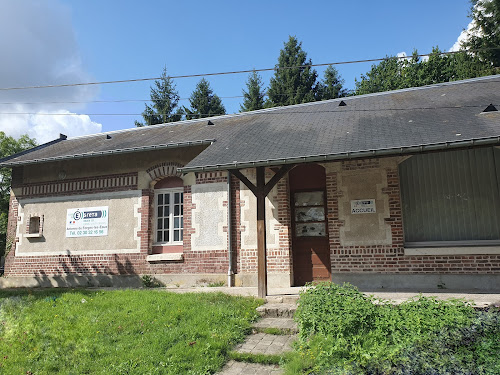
<point>421,282</point>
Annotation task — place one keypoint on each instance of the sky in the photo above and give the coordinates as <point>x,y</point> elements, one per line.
<point>49,42</point>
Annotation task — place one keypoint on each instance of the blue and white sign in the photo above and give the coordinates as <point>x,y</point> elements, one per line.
<point>87,222</point>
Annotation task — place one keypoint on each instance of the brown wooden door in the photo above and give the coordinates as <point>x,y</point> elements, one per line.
<point>310,246</point>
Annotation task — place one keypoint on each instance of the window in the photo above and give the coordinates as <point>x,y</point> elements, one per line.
<point>169,216</point>
<point>451,198</point>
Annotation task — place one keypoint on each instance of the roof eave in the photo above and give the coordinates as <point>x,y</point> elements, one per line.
<point>109,152</point>
<point>475,142</point>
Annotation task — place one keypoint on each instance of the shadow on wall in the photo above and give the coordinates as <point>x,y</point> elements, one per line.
<point>75,273</point>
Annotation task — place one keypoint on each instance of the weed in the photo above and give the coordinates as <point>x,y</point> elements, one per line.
<point>151,282</point>
<point>216,284</point>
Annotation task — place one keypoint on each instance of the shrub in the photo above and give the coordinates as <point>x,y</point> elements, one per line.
<point>343,331</point>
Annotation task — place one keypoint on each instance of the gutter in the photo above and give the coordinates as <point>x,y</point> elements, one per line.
<point>106,152</point>
<point>350,155</point>
<point>62,137</point>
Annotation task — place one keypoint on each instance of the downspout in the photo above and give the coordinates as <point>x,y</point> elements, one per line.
<point>230,272</point>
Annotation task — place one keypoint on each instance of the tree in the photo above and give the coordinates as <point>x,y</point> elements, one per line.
<point>485,32</point>
<point>331,86</point>
<point>204,102</point>
<point>165,101</point>
<point>292,85</point>
<point>253,99</point>
<point>8,146</point>
<point>384,76</point>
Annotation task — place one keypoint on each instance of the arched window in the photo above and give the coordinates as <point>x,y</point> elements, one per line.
<point>169,211</point>
<point>451,198</point>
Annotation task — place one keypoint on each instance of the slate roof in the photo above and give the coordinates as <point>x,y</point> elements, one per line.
<point>397,122</point>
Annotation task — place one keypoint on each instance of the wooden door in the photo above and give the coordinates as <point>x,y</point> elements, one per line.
<point>310,246</point>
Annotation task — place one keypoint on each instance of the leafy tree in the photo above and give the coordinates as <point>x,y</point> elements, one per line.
<point>204,102</point>
<point>331,86</point>
<point>384,76</point>
<point>292,85</point>
<point>165,101</point>
<point>485,33</point>
<point>8,146</point>
<point>253,99</point>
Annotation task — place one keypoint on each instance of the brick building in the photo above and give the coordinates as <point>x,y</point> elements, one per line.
<point>389,190</point>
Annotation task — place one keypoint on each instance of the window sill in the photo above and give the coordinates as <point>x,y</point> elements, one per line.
<point>459,250</point>
<point>168,257</point>
<point>33,235</point>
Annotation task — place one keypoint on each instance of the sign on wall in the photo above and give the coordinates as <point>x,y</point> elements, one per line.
<point>87,222</point>
<point>363,206</point>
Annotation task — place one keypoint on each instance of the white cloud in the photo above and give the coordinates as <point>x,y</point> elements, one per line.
<point>464,35</point>
<point>39,47</point>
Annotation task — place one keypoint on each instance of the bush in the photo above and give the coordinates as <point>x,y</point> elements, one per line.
<point>343,331</point>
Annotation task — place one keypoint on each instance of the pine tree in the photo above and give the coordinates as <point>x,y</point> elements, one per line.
<point>204,102</point>
<point>292,85</point>
<point>165,100</point>
<point>331,86</point>
<point>253,99</point>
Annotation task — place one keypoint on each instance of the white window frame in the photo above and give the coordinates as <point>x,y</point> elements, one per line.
<point>171,192</point>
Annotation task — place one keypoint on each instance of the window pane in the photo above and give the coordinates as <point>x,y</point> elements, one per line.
<point>182,209</point>
<point>167,198</point>
<point>177,210</point>
<point>159,237</point>
<point>160,199</point>
<point>177,198</point>
<point>310,198</point>
<point>182,222</point>
<point>182,197</point>
<point>310,230</point>
<point>176,235</point>
<point>166,237</point>
<point>160,224</point>
<point>309,214</point>
<point>177,222</point>
<point>166,210</point>
<point>166,223</point>
<point>160,211</point>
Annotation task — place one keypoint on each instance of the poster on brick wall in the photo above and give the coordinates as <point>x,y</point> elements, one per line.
<point>87,222</point>
<point>363,206</point>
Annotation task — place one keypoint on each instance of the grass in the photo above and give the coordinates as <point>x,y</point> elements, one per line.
<point>120,332</point>
<point>344,332</point>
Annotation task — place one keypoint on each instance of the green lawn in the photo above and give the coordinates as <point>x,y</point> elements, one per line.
<point>119,332</point>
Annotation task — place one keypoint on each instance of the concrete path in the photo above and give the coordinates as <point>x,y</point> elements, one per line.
<point>263,343</point>
<point>242,368</point>
<point>478,299</point>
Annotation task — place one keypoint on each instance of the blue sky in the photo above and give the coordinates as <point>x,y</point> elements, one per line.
<point>75,40</point>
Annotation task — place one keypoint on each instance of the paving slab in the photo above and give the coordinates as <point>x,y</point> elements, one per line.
<point>242,368</point>
<point>263,343</point>
<point>288,325</point>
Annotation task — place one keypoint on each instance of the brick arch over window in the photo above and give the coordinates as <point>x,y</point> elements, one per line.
<point>160,171</point>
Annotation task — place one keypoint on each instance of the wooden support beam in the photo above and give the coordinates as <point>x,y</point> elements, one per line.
<point>261,190</point>
<point>261,234</point>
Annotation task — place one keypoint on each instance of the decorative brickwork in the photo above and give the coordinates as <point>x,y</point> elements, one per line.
<point>87,185</point>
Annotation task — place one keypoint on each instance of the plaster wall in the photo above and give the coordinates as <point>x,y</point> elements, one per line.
<point>209,216</point>
<point>123,224</point>
<point>364,228</point>
<point>110,164</point>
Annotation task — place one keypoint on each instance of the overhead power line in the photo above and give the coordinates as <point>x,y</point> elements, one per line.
<point>266,112</point>
<point>237,71</point>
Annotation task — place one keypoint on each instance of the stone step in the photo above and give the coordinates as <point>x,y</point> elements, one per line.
<point>285,325</point>
<point>290,299</point>
<point>242,368</point>
<point>277,310</point>
<point>263,343</point>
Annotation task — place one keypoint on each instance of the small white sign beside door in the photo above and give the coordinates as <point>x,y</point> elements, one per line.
<point>363,206</point>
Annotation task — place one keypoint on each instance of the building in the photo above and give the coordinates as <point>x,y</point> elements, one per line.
<point>389,190</point>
